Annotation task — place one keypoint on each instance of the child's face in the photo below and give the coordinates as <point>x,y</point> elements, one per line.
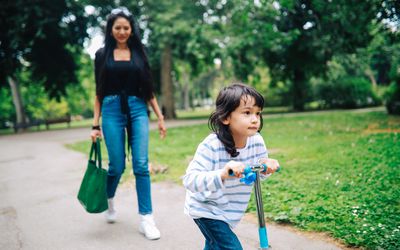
<point>245,120</point>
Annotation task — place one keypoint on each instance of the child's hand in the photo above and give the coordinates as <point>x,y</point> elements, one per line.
<point>236,167</point>
<point>272,165</point>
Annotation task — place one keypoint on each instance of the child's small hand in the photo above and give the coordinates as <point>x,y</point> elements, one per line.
<point>272,165</point>
<point>236,167</point>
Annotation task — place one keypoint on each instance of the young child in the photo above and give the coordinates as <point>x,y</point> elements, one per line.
<point>214,199</point>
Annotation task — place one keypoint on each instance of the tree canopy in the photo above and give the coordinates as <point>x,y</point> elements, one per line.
<point>44,37</point>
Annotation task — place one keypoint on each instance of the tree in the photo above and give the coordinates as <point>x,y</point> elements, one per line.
<point>42,36</point>
<point>297,38</point>
<point>176,31</point>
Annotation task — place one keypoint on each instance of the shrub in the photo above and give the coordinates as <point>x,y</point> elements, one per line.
<point>7,112</point>
<point>393,99</point>
<point>277,95</point>
<point>346,92</point>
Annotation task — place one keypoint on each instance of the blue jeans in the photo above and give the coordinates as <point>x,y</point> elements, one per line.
<point>113,124</point>
<point>218,234</point>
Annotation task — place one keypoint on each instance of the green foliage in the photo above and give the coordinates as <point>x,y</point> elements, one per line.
<point>40,37</point>
<point>7,112</point>
<point>178,24</point>
<point>393,99</point>
<point>80,97</point>
<point>79,101</point>
<point>277,95</point>
<point>393,94</point>
<point>39,106</point>
<point>296,38</point>
<point>346,92</point>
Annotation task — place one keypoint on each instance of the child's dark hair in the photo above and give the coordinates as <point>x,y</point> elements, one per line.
<point>227,101</point>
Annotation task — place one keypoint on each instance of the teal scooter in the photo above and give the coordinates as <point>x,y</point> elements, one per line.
<point>252,174</point>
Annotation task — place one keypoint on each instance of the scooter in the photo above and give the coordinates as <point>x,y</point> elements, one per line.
<point>252,174</point>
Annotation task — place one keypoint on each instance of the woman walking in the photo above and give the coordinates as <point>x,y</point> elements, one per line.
<point>123,90</point>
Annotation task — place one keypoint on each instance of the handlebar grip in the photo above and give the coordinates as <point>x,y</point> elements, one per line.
<point>246,170</point>
<point>231,173</point>
<point>265,168</point>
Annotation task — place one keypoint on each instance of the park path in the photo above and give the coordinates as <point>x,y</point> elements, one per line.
<point>39,180</point>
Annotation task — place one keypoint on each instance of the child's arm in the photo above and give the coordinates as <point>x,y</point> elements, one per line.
<point>201,180</point>
<point>204,172</point>
<point>262,152</point>
<point>197,179</point>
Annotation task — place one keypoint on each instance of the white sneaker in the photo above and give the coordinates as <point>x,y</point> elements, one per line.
<point>148,227</point>
<point>111,214</point>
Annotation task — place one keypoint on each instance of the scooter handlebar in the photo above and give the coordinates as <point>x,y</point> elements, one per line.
<point>249,168</point>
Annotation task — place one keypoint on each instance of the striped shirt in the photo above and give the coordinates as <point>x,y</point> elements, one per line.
<point>207,196</point>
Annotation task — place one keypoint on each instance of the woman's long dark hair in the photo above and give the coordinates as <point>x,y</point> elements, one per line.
<point>227,101</point>
<point>138,54</point>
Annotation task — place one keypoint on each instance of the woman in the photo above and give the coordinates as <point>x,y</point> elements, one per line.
<point>123,90</point>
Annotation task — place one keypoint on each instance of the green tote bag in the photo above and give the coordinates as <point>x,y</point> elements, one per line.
<point>92,192</point>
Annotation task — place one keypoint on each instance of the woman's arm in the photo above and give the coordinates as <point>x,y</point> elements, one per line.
<point>96,132</point>
<point>161,126</point>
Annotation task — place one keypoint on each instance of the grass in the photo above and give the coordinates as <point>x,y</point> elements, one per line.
<point>341,172</point>
<point>341,175</point>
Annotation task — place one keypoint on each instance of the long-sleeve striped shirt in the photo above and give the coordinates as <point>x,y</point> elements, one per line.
<point>207,196</point>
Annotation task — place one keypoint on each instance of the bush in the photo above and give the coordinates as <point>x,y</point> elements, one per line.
<point>346,92</point>
<point>393,99</point>
<point>277,95</point>
<point>7,112</point>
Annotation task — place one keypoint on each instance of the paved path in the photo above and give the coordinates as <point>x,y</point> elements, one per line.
<point>39,180</point>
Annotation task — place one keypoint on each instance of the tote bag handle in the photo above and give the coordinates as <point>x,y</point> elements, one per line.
<point>97,152</point>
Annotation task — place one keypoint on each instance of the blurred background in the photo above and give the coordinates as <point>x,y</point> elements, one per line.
<point>301,55</point>
<point>341,168</point>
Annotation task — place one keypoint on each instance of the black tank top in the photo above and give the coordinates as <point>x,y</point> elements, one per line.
<point>121,76</point>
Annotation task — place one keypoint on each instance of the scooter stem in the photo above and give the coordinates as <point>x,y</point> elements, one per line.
<point>262,230</point>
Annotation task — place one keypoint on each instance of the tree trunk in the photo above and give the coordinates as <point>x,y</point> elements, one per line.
<point>371,76</point>
<point>299,90</point>
<point>18,104</point>
<point>186,97</point>
<point>167,88</point>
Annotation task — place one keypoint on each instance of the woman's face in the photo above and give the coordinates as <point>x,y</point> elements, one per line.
<point>121,30</point>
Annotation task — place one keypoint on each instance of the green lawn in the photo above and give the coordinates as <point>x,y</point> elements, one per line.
<point>340,172</point>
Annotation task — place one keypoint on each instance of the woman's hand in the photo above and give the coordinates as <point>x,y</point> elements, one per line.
<point>272,165</point>
<point>161,128</point>
<point>236,167</point>
<point>94,134</point>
